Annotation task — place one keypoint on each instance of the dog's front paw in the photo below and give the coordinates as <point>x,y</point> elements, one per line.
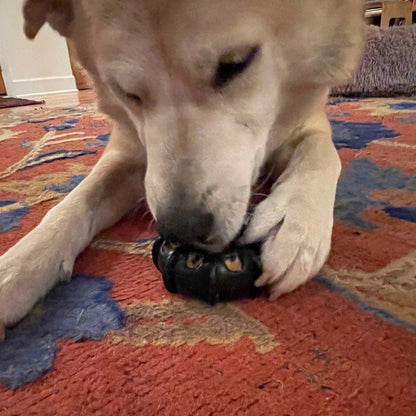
<point>297,239</point>
<point>27,272</point>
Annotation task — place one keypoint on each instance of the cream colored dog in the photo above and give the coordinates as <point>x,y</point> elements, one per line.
<point>203,95</point>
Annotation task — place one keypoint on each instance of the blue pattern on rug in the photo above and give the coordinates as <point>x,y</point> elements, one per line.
<point>80,310</point>
<point>66,187</point>
<point>145,240</point>
<point>102,141</point>
<point>406,214</point>
<point>104,137</point>
<point>405,105</point>
<point>68,124</point>
<point>339,100</point>
<point>10,220</point>
<point>362,176</point>
<point>352,135</point>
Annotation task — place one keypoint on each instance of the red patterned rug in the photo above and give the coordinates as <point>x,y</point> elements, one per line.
<point>113,341</point>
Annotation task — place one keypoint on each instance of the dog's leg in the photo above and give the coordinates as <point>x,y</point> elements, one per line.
<point>296,219</point>
<point>47,254</point>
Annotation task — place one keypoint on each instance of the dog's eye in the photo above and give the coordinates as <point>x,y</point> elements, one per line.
<point>121,92</point>
<point>230,66</point>
<point>134,98</point>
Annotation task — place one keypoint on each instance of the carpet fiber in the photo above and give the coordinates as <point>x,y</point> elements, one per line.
<point>114,342</point>
<point>388,64</point>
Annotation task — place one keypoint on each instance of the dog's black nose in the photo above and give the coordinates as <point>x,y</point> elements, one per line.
<point>185,226</point>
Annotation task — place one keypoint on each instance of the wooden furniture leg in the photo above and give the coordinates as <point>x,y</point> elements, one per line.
<point>396,10</point>
<point>2,86</point>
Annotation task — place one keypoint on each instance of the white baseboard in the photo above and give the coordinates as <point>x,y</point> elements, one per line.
<point>39,86</point>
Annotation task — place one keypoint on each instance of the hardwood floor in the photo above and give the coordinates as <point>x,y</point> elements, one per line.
<point>67,98</point>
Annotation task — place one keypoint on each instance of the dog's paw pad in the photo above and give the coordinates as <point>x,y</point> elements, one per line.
<point>266,278</point>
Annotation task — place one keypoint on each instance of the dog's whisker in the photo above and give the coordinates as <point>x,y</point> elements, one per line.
<point>139,206</point>
<point>141,201</point>
<point>150,225</point>
<point>145,214</point>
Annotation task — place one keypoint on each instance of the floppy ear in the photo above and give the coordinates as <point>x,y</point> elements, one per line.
<point>58,13</point>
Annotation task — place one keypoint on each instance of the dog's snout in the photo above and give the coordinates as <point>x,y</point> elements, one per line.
<point>186,226</point>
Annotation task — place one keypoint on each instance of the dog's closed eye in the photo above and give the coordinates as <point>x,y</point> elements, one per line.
<point>136,99</point>
<point>231,65</point>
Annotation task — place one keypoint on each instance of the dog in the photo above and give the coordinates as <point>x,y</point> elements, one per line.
<point>204,95</point>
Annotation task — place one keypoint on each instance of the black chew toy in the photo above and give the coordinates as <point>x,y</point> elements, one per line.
<point>206,276</point>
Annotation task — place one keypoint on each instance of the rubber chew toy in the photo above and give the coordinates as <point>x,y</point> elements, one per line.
<point>209,277</point>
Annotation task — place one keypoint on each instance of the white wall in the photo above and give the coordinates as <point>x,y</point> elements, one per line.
<point>32,67</point>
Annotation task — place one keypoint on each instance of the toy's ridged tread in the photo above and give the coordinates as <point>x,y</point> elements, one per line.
<point>209,277</point>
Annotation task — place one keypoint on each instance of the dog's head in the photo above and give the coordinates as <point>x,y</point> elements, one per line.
<point>211,88</point>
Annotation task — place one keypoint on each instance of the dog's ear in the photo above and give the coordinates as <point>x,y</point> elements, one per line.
<point>58,13</point>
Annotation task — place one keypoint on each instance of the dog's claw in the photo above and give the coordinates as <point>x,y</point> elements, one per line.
<point>264,279</point>
<point>65,271</point>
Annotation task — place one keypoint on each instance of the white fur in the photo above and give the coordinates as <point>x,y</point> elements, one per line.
<point>187,133</point>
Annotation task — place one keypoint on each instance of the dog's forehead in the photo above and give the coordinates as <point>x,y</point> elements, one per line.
<point>186,31</point>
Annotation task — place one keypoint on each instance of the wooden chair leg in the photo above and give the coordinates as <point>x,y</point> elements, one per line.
<point>396,10</point>
<point>82,78</point>
<point>2,86</point>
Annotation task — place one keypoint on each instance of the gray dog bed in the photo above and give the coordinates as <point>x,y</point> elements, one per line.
<point>388,65</point>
